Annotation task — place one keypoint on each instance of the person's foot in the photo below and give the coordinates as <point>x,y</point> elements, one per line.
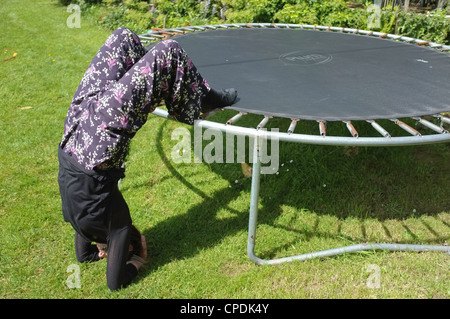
<point>215,99</point>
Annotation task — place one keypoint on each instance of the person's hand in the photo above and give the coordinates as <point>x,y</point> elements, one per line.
<point>143,253</point>
<point>139,260</point>
<point>102,250</point>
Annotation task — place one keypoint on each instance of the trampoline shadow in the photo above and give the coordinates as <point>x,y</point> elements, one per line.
<point>297,186</point>
<point>183,236</point>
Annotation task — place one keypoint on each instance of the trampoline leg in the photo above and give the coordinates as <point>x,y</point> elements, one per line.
<point>254,196</point>
<point>253,218</point>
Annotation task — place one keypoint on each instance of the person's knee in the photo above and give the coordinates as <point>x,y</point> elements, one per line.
<point>167,45</point>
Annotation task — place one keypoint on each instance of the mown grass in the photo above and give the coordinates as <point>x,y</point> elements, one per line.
<point>195,216</point>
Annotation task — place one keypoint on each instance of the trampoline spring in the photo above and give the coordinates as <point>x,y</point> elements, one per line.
<point>158,36</point>
<point>322,128</point>
<point>379,128</point>
<point>199,27</point>
<point>443,119</point>
<point>351,129</point>
<point>292,126</point>
<point>168,34</point>
<point>263,122</point>
<point>430,125</point>
<point>145,38</point>
<point>406,127</point>
<point>190,29</point>
<point>178,31</point>
<point>235,118</point>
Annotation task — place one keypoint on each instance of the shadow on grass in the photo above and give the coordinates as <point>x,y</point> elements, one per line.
<point>185,235</point>
<point>370,183</point>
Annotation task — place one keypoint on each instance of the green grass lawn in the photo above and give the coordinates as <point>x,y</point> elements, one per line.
<point>195,216</point>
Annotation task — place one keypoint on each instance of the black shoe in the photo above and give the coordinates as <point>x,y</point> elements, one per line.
<point>216,99</point>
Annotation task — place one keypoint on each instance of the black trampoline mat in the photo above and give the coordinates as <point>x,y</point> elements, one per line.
<point>320,75</point>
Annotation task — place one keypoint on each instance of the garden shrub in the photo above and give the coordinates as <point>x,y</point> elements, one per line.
<point>296,13</point>
<point>142,15</point>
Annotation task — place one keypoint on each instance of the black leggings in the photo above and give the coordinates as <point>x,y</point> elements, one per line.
<point>93,204</point>
<point>116,277</point>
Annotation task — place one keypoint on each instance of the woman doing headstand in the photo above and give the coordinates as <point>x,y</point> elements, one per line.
<point>121,86</point>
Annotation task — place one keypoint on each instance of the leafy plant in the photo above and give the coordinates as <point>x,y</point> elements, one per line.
<point>142,15</point>
<point>296,13</point>
<point>428,27</point>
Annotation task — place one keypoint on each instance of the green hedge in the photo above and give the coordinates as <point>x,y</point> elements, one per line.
<point>143,15</point>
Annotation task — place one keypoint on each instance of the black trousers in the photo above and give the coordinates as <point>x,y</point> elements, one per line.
<point>94,206</point>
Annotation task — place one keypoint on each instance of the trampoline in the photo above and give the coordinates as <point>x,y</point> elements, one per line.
<point>321,74</point>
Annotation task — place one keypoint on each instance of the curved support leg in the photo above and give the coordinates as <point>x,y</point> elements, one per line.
<point>254,195</point>
<point>253,217</point>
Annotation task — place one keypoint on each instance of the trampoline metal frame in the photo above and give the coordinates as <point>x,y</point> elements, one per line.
<point>440,135</point>
<point>160,34</point>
